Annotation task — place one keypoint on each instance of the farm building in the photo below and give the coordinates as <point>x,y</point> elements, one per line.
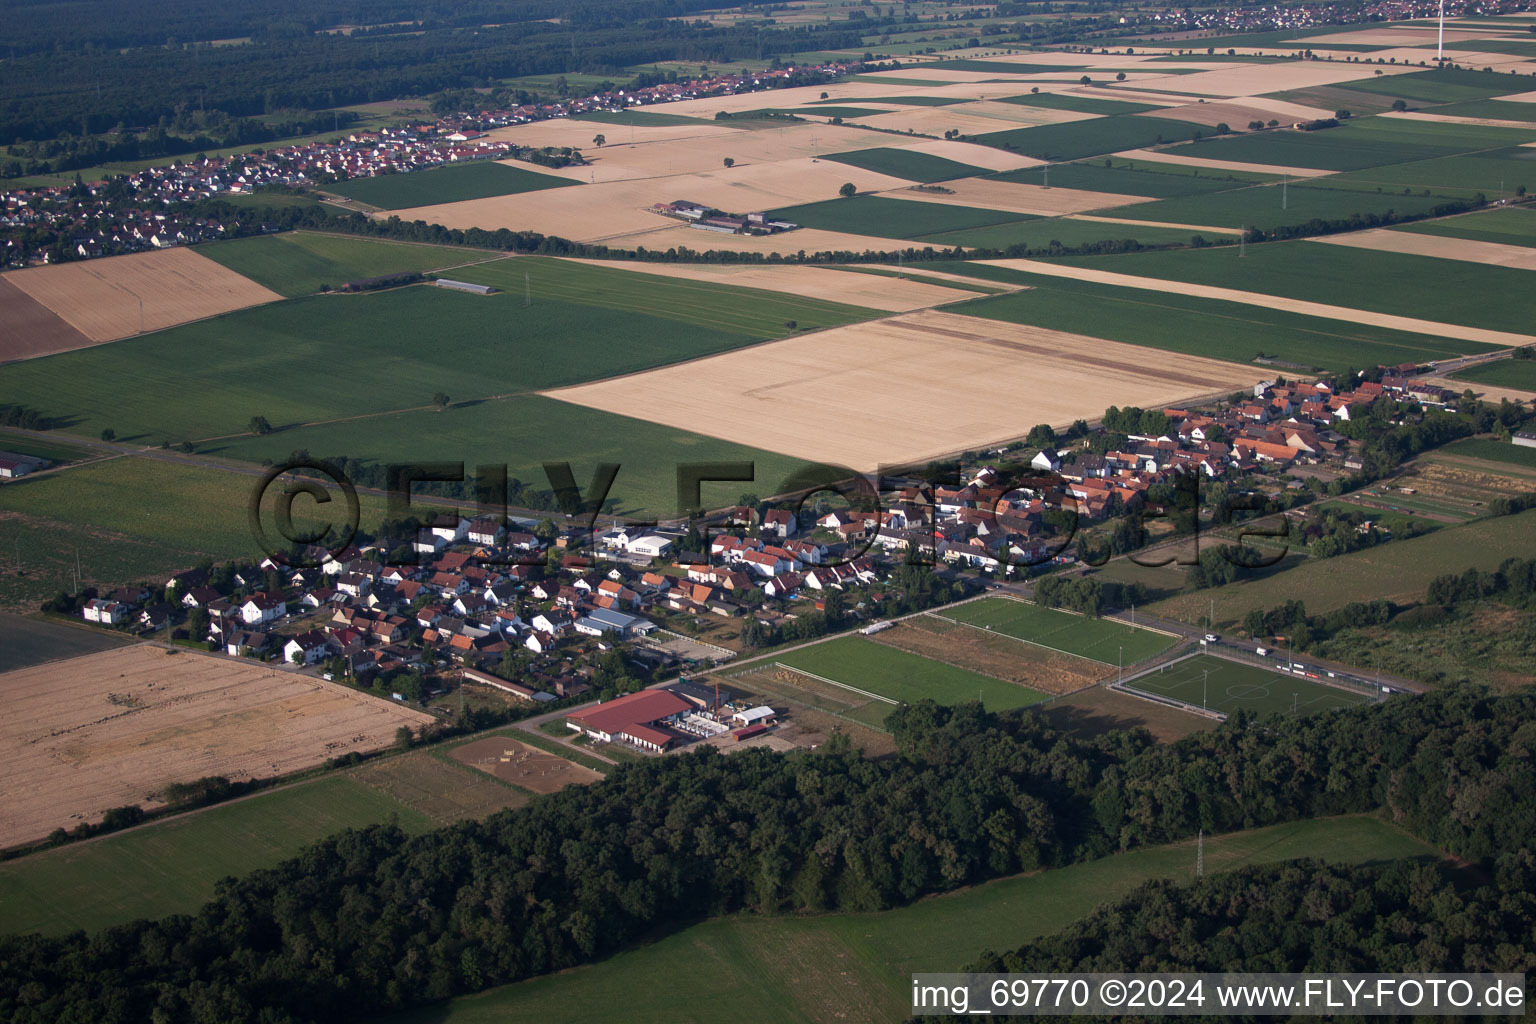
<point>639,718</point>
<point>525,693</point>
<point>1524,438</point>
<point>14,465</point>
<point>464,286</point>
<point>606,620</point>
<point>754,716</point>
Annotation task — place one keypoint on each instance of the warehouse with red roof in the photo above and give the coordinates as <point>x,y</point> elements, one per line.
<point>638,718</point>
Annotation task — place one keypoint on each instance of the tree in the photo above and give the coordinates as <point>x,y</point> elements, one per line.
<point>197,623</point>
<point>1085,80</point>
<point>109,434</point>
<point>1223,128</point>
<point>1120,76</point>
<point>729,163</point>
<point>848,191</point>
<point>259,426</point>
<point>440,399</point>
<point>1399,105</point>
<point>403,737</point>
<point>599,140</point>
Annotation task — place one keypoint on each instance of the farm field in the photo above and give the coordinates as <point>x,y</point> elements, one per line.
<point>1270,206</point>
<point>1233,331</point>
<point>1492,254</point>
<point>112,729</point>
<point>1040,233</point>
<point>29,640</point>
<point>1510,226</point>
<point>518,764</point>
<point>1102,640</point>
<point>1398,571</point>
<point>856,968</point>
<point>895,674</point>
<point>941,639</point>
<point>119,296</point>
<point>1081,104</point>
<point>1077,139</point>
<point>883,217</point>
<point>1494,451</point>
<point>903,163</point>
<point>1464,176</point>
<point>1506,373</point>
<point>478,180</point>
<point>1498,110</point>
<point>879,372</point>
<point>1397,284</point>
<point>435,789</point>
<point>171,866</point>
<point>1230,686</point>
<point>28,328</point>
<point>1356,145</point>
<point>295,263</point>
<point>1126,177</point>
<point>1437,86</point>
<point>1100,709</point>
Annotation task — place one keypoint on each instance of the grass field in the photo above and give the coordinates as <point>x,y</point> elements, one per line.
<point>170,867</point>
<point>1270,206</point>
<point>1512,225</point>
<point>638,118</point>
<point>1221,330</point>
<point>1077,139</point>
<point>478,180</point>
<point>855,661</point>
<point>893,218</point>
<point>842,968</point>
<point>1229,686</point>
<point>1451,291</point>
<point>1495,451</point>
<point>1156,181</point>
<point>1463,176</point>
<point>1397,571</point>
<point>902,163</point>
<point>1102,640</point>
<point>1505,373</point>
<point>302,262</point>
<point>1437,86</point>
<point>1082,104</point>
<point>1498,110</point>
<point>1040,233</point>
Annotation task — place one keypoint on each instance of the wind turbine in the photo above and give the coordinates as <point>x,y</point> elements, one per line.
<point>1441,54</point>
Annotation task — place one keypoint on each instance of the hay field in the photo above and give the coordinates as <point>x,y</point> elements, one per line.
<point>101,298</point>
<point>1469,250</point>
<point>565,132</point>
<point>1017,197</point>
<point>906,388</point>
<point>670,234</point>
<point>1257,79</point>
<point>990,157</point>
<point>890,294</point>
<point>1238,112</point>
<point>111,729</point>
<point>938,120</point>
<point>1485,122</point>
<point>522,765</point>
<point>28,328</point>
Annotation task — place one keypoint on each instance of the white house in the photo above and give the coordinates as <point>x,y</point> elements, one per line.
<point>108,613</point>
<point>306,648</point>
<point>261,608</point>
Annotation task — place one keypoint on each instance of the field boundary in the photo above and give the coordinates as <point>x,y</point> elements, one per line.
<point>843,686</point>
<point>1154,698</point>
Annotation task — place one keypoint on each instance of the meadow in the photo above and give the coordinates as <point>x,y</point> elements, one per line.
<point>297,263</point>
<point>1230,686</point>
<point>1512,225</point>
<point>171,866</point>
<point>1399,571</point>
<point>902,163</point>
<point>1494,451</point>
<point>1504,373</point>
<point>856,661</point>
<point>1220,330</point>
<point>480,179</point>
<point>893,218</point>
<point>1270,206</point>
<point>1102,640</point>
<point>1077,139</point>
<point>1452,291</point>
<point>857,967</point>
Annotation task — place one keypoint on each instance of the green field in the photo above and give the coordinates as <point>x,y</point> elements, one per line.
<point>1125,177</point>
<point>170,867</point>
<point>1217,329</point>
<point>1103,640</point>
<point>1512,225</point>
<point>638,118</point>
<point>1496,451</point>
<point>1505,373</point>
<point>303,262</point>
<point>902,163</point>
<point>892,218</point>
<point>1228,687</point>
<point>1332,149</point>
<point>1077,139</point>
<point>1498,110</point>
<point>481,179</point>
<point>1270,206</point>
<point>1040,233</point>
<point>1398,571</point>
<point>867,665</point>
<point>1082,104</point>
<point>1448,85</point>
<point>1463,176</point>
<point>906,101</point>
<point>836,968</point>
<point>1449,291</point>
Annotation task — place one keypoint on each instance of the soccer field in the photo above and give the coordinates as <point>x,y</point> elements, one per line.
<point>897,675</point>
<point>1227,686</point>
<point>1102,640</point>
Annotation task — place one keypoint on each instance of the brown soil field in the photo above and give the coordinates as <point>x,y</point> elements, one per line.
<point>1460,476</point>
<point>1020,198</point>
<point>991,158</point>
<point>1400,36</point>
<point>444,792</point>
<point>1495,254</point>
<point>1258,79</point>
<point>107,730</point>
<point>868,290</point>
<point>29,329</point>
<point>936,121</point>
<point>906,388</point>
<point>102,298</point>
<point>1358,316</point>
<point>522,765</point>
<point>1237,113</point>
<point>992,655</point>
<point>1159,157</point>
<point>1090,713</point>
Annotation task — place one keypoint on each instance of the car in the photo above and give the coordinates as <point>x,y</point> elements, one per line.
<point>1211,638</point>
<point>1262,652</point>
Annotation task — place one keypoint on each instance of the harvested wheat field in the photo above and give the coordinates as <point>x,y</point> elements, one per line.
<point>119,296</point>
<point>1485,122</point>
<point>1154,156</point>
<point>1497,254</point>
<point>579,134</point>
<point>29,329</point>
<point>1259,79</point>
<point>990,157</point>
<point>961,117</point>
<point>525,767</point>
<point>906,388</point>
<point>891,294</point>
<point>668,236</point>
<point>1205,291</point>
<point>990,654</point>
<point>1237,113</point>
<point>1016,197</point>
<point>107,730</point>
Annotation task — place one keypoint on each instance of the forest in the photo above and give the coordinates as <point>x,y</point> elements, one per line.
<point>370,921</point>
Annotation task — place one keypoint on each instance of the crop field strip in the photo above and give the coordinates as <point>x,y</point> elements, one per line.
<point>897,675</point>
<point>881,216</point>
<point>1270,206</point>
<point>1101,640</point>
<point>1509,373</point>
<point>28,328</point>
<point>478,180</point>
<point>1224,686</point>
<point>1512,225</point>
<point>1075,140</point>
<point>1494,451</point>
<point>295,263</point>
<point>902,163</point>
